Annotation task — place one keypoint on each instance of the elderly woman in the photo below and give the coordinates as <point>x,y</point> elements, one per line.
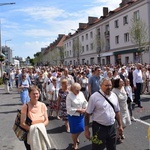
<point>37,112</point>
<point>76,105</point>
<point>119,90</point>
<point>61,102</point>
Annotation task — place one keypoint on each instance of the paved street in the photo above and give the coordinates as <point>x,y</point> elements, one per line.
<point>136,134</point>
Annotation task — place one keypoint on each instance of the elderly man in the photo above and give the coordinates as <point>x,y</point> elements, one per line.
<point>104,107</point>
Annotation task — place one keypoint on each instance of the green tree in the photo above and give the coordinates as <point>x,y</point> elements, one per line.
<point>77,50</point>
<point>139,35</point>
<point>100,45</point>
<point>61,54</point>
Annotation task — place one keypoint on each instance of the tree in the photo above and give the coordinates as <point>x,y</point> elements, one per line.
<point>100,45</point>
<point>77,51</point>
<point>61,54</point>
<point>139,35</point>
<point>37,57</point>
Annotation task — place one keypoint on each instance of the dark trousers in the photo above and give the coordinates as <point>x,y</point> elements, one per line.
<point>137,93</point>
<point>105,134</point>
<point>27,145</point>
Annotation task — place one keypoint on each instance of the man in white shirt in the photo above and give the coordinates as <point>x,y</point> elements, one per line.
<point>103,115</point>
<point>137,82</point>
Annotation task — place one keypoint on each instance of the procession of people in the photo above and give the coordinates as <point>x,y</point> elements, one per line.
<point>78,95</point>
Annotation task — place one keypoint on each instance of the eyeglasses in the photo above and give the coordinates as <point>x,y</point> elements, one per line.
<point>107,85</point>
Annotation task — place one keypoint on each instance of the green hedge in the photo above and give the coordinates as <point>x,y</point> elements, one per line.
<point>1,80</point>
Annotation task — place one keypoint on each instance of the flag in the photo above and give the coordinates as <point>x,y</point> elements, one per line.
<point>148,133</point>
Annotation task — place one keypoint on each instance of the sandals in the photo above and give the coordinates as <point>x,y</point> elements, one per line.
<point>74,148</point>
<point>119,141</point>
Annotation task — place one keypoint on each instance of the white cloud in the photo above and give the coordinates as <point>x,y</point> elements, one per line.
<point>56,21</point>
<point>37,32</point>
<point>42,12</point>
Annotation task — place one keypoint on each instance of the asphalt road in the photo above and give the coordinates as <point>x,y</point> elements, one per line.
<point>136,134</point>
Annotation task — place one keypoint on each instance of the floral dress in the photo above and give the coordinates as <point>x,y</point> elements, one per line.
<point>63,110</point>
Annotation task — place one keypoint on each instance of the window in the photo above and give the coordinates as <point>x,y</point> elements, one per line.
<point>86,36</point>
<point>117,39</point>
<point>125,20</point>
<point>82,49</point>
<point>70,52</point>
<point>116,24</point>
<point>91,35</point>
<point>136,15</point>
<point>126,37</point>
<point>126,60</point>
<point>91,46</point>
<point>67,53</point>
<point>107,27</point>
<point>69,43</point>
<point>82,37</point>
<point>87,47</point>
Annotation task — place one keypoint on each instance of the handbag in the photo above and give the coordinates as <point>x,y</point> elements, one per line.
<point>20,132</point>
<point>129,100</point>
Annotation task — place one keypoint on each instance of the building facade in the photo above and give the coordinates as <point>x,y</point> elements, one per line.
<point>7,51</point>
<point>107,40</point>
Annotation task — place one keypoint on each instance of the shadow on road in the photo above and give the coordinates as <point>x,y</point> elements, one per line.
<point>145,117</point>
<point>8,112</point>
<point>145,100</point>
<point>59,129</point>
<point>11,104</point>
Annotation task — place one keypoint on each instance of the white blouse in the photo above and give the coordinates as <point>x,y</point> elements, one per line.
<point>74,102</point>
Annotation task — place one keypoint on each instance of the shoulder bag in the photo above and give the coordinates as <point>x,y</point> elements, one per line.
<point>20,132</point>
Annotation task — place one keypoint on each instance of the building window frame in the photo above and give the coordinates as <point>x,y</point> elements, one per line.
<point>125,20</point>
<point>116,23</point>
<point>126,37</point>
<point>117,39</point>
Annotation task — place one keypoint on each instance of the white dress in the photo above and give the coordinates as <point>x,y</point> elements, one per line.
<point>122,98</point>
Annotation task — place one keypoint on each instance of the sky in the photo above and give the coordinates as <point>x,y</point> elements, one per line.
<point>29,25</point>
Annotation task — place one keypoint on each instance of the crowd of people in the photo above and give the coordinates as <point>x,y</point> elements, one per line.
<point>75,93</point>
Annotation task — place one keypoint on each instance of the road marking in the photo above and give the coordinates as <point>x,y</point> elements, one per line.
<point>146,123</point>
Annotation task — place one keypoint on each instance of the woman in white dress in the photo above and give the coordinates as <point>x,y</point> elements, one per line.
<point>52,91</point>
<point>118,89</point>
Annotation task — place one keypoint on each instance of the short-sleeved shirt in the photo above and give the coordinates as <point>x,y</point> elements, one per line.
<point>102,112</point>
<point>35,113</point>
<point>94,81</point>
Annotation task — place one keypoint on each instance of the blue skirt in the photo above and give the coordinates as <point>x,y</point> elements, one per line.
<point>76,124</point>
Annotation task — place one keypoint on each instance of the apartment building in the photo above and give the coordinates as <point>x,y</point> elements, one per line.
<point>54,53</point>
<point>107,40</point>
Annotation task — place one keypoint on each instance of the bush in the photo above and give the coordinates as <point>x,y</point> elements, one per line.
<point>1,80</point>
